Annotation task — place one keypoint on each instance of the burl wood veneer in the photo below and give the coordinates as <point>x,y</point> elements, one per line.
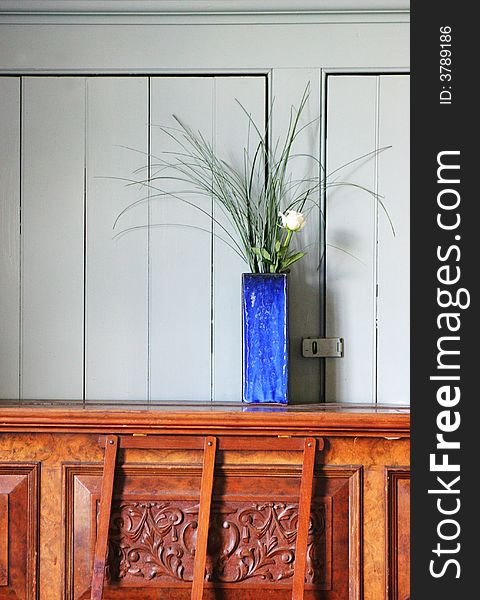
<point>358,534</point>
<point>18,529</point>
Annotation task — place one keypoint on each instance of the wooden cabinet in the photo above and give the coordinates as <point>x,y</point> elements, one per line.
<point>358,535</point>
<point>18,528</point>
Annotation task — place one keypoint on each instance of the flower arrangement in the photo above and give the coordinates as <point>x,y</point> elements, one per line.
<point>265,207</point>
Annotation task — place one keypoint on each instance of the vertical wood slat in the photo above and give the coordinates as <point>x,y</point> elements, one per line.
<point>231,136</point>
<point>9,236</point>
<point>3,539</point>
<point>52,237</point>
<point>393,258</point>
<point>180,251</point>
<point>398,534</point>
<point>116,294</point>
<point>103,524</point>
<point>206,487</point>
<point>351,225</point>
<point>305,503</point>
<point>305,300</point>
<point>368,304</point>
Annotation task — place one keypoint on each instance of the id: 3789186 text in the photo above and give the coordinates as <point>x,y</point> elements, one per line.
<point>445,65</point>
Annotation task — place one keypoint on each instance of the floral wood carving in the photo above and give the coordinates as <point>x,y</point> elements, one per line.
<point>248,542</point>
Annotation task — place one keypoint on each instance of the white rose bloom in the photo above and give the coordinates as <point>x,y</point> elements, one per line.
<point>292,220</point>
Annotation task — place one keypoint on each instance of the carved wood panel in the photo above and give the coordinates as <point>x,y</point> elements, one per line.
<point>3,539</point>
<point>18,530</point>
<point>248,542</point>
<point>398,527</point>
<point>251,539</point>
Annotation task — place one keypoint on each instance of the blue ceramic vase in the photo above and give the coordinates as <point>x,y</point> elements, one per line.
<point>265,337</point>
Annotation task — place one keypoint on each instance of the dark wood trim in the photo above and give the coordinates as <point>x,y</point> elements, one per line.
<point>106,494</point>
<point>3,539</point>
<point>237,420</point>
<point>393,476</point>
<point>206,487</point>
<point>168,442</point>
<point>304,509</point>
<point>355,574</point>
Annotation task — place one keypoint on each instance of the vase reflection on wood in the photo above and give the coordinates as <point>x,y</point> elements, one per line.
<point>265,337</point>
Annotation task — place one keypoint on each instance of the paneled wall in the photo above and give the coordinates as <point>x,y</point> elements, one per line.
<point>368,224</point>
<point>154,313</point>
<point>150,309</point>
<point>93,312</point>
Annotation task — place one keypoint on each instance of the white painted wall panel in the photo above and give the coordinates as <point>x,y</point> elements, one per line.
<point>223,47</point>
<point>180,253</point>
<point>368,304</point>
<point>393,257</point>
<point>351,226</point>
<point>288,86</point>
<point>116,294</point>
<point>231,137</point>
<point>9,236</point>
<point>52,237</point>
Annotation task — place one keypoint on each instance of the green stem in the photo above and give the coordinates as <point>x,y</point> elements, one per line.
<point>287,240</point>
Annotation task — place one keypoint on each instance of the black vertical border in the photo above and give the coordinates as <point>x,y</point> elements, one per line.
<point>435,128</point>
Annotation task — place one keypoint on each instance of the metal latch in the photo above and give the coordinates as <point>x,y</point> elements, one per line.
<point>322,347</point>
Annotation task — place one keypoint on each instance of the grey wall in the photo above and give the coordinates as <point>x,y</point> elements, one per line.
<point>155,314</point>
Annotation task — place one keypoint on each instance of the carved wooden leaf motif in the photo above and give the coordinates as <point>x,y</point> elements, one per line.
<point>247,541</point>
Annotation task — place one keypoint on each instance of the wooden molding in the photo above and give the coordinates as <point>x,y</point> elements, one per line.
<point>3,539</point>
<point>318,420</point>
<point>355,517</point>
<point>398,533</point>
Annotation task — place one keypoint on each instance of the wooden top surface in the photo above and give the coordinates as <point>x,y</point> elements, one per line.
<point>214,418</point>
